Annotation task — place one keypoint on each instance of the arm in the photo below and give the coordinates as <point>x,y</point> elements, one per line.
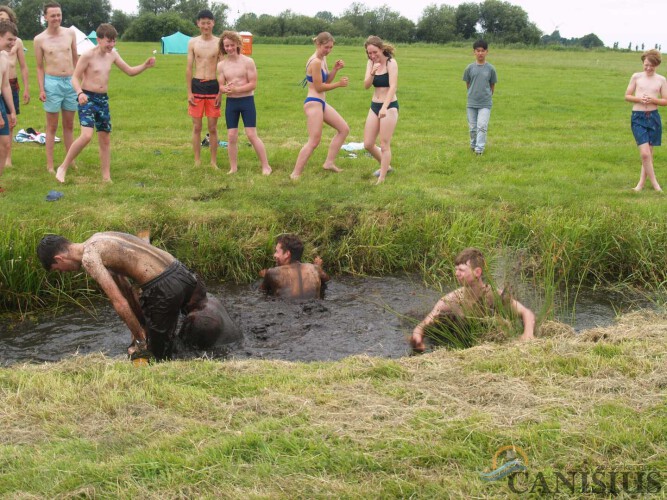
<point>20,58</point>
<point>251,75</point>
<point>417,339</point>
<point>75,54</point>
<point>130,295</point>
<point>324,277</point>
<point>371,69</point>
<point>630,91</point>
<point>493,88</point>
<point>392,69</point>
<point>339,64</point>
<point>7,95</point>
<point>188,72</point>
<point>133,70</point>
<point>318,84</point>
<point>221,83</point>
<point>39,56</point>
<point>527,317</point>
<point>77,78</point>
<point>268,282</point>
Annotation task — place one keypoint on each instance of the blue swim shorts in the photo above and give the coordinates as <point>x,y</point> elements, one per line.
<point>59,94</point>
<point>95,112</point>
<point>5,129</point>
<point>241,107</point>
<point>646,127</point>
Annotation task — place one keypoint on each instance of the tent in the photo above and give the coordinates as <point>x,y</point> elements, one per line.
<point>175,44</point>
<point>92,36</point>
<point>82,42</point>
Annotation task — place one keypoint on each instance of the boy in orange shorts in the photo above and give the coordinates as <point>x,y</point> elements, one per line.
<point>203,89</point>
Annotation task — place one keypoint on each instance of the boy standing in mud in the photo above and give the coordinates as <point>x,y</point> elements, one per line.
<point>168,288</point>
<point>473,299</point>
<point>290,278</point>
<point>90,82</point>
<point>647,90</point>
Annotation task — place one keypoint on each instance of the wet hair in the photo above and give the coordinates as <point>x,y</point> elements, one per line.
<point>234,37</point>
<point>292,243</point>
<point>50,5</point>
<point>10,13</point>
<point>322,38</point>
<point>480,44</point>
<point>386,48</point>
<point>472,256</point>
<point>50,246</point>
<point>205,14</point>
<point>653,57</point>
<point>105,30</point>
<point>8,27</point>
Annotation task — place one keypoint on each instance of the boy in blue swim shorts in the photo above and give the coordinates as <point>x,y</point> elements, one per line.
<point>647,90</point>
<point>90,81</point>
<point>8,34</point>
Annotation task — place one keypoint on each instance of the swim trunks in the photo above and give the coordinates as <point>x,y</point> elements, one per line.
<point>95,112</point>
<point>14,85</point>
<point>316,99</point>
<point>377,106</point>
<point>3,110</point>
<point>60,94</point>
<point>243,107</point>
<point>646,127</point>
<point>205,92</point>
<point>162,301</point>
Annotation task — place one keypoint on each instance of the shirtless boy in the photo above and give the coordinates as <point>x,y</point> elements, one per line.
<point>16,56</point>
<point>8,35</point>
<point>90,81</point>
<point>203,98</point>
<point>112,260</point>
<point>474,298</point>
<point>291,279</point>
<point>647,90</point>
<point>237,76</point>
<point>55,51</point>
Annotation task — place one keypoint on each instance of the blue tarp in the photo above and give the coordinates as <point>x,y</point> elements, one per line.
<point>175,44</point>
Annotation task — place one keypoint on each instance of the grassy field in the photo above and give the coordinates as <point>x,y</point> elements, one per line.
<point>550,199</point>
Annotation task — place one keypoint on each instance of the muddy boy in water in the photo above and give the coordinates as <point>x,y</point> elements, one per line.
<point>112,259</point>
<point>290,278</point>
<point>473,298</point>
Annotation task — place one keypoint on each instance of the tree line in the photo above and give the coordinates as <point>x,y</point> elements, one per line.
<point>495,20</point>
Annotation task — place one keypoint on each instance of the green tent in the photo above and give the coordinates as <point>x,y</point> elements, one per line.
<point>175,44</point>
<point>92,36</point>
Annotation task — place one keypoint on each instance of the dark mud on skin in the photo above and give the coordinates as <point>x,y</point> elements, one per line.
<point>371,316</point>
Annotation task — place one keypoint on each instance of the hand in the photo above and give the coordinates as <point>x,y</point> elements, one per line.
<point>383,112</point>
<point>417,342</point>
<point>12,120</point>
<point>343,82</point>
<point>82,98</point>
<point>375,68</point>
<point>318,261</point>
<point>218,100</point>
<point>2,122</point>
<point>150,62</point>
<point>340,64</point>
<point>138,348</point>
<point>191,99</point>
<point>26,97</point>
<point>262,273</point>
<point>42,96</point>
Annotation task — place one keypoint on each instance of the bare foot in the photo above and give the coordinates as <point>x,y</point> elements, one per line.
<point>266,170</point>
<point>197,163</point>
<point>294,176</point>
<point>379,181</point>
<point>50,170</point>
<point>214,166</point>
<point>73,165</point>
<point>332,168</point>
<point>60,175</point>
<point>8,163</point>
<point>232,171</point>
<point>107,180</point>
<point>636,189</point>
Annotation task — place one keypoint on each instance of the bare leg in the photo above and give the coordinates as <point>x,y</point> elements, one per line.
<point>371,131</point>
<point>4,148</point>
<point>315,122</point>
<point>233,149</point>
<point>104,141</point>
<point>387,126</point>
<point>73,152</point>
<point>68,131</point>
<point>8,161</point>
<point>332,118</point>
<point>51,128</point>
<point>647,171</point>
<point>258,145</point>
<point>213,140</point>
<point>196,139</point>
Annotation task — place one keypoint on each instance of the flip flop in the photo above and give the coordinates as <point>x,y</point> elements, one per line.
<point>377,172</point>
<point>54,195</point>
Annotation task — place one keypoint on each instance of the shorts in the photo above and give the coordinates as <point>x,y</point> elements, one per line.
<point>646,127</point>
<point>60,94</point>
<point>14,84</point>
<point>241,107</point>
<point>162,301</point>
<point>95,112</point>
<point>377,106</point>
<point>205,93</point>
<point>3,110</point>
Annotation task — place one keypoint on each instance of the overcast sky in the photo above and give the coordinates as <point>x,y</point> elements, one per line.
<point>622,21</point>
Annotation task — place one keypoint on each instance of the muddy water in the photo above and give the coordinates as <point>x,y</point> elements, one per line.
<point>357,316</point>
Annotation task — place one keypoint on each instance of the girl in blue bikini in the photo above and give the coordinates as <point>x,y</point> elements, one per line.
<point>381,73</point>
<point>318,112</point>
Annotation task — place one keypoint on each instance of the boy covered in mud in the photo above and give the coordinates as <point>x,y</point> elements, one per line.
<point>473,299</point>
<point>112,259</point>
<point>647,90</point>
<point>90,82</point>
<point>290,278</point>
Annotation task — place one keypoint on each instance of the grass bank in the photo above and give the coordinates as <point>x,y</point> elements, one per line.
<point>93,427</point>
<point>553,186</point>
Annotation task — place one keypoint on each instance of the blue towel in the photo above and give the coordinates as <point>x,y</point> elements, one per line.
<point>54,195</point>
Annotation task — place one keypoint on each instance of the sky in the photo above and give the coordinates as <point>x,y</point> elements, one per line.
<point>622,21</point>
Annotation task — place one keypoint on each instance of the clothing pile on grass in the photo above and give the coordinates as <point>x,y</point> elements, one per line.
<point>31,135</point>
